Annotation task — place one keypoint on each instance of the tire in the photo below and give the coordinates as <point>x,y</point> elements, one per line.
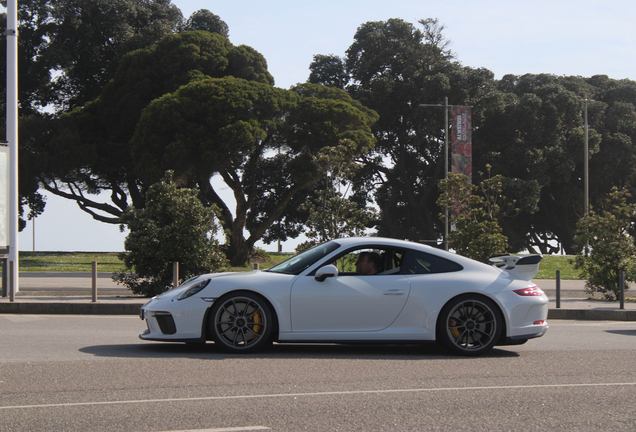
<point>241,322</point>
<point>470,325</point>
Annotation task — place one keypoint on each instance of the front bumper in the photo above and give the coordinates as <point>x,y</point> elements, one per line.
<point>171,320</point>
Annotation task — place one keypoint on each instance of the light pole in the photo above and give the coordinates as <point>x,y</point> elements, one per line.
<point>586,163</point>
<point>445,105</point>
<point>12,138</point>
<point>586,168</point>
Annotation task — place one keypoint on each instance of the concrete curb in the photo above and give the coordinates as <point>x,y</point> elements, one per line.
<point>591,314</point>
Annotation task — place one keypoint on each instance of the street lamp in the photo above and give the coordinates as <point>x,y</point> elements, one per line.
<point>12,138</point>
<point>445,105</point>
<point>586,158</point>
<point>586,162</point>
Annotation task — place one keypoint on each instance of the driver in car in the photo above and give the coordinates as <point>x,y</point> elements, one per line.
<point>368,263</point>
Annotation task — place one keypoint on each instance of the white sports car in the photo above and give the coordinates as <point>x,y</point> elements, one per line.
<point>358,290</point>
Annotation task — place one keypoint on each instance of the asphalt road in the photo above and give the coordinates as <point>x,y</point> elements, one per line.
<point>91,373</point>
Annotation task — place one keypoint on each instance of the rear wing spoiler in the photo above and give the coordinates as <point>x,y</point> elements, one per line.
<point>525,267</point>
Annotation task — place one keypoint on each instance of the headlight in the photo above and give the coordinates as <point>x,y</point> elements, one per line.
<point>194,289</point>
<point>191,279</point>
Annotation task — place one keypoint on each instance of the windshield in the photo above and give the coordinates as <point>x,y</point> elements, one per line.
<point>297,264</point>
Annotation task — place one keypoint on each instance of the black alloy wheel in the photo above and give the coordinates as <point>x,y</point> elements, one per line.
<point>470,325</point>
<point>241,322</point>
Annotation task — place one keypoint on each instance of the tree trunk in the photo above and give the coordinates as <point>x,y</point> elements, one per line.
<point>238,252</point>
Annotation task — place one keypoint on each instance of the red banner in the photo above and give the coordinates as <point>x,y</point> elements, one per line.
<point>461,141</point>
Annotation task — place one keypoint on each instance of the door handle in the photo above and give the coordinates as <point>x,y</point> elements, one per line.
<point>394,292</point>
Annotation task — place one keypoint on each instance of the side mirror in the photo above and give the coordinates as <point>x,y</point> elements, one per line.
<point>327,271</point>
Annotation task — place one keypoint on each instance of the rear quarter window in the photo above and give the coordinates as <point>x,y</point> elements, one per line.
<point>423,263</point>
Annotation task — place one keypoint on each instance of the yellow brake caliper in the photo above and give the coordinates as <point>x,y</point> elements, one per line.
<point>257,320</point>
<point>454,331</point>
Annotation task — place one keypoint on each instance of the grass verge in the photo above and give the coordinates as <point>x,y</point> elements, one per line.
<point>70,261</point>
<point>551,263</point>
<point>109,262</point>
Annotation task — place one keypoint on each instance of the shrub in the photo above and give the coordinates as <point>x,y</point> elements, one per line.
<point>611,246</point>
<point>474,213</point>
<point>174,226</point>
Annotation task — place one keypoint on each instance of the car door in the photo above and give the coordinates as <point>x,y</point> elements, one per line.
<point>350,302</point>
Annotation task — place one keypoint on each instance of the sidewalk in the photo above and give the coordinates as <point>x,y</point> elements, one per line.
<point>70,294</point>
<point>576,306</point>
<point>57,293</point>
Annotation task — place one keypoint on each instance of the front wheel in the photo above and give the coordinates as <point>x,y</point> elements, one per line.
<point>470,325</point>
<point>241,323</point>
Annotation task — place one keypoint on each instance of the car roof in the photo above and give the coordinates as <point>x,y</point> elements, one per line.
<point>384,242</point>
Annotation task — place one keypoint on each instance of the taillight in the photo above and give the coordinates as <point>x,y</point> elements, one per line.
<point>529,292</point>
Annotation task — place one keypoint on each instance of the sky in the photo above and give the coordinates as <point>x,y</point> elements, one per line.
<point>582,37</point>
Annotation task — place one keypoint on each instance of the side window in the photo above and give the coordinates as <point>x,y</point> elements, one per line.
<point>423,263</point>
<point>346,263</point>
<point>369,261</point>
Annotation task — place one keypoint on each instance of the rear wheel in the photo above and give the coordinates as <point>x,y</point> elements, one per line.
<point>241,322</point>
<point>470,325</point>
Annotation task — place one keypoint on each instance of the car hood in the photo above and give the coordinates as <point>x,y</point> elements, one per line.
<point>250,278</point>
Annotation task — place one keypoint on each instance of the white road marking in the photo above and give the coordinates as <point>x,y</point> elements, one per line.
<point>312,394</point>
<point>22,318</point>
<point>232,429</point>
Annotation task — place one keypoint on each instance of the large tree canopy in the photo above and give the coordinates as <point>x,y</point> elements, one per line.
<point>68,51</point>
<point>113,89</point>
<point>200,106</point>
<point>532,127</point>
<point>234,127</point>
<point>528,128</point>
<point>393,67</point>
<point>91,37</point>
<point>87,150</point>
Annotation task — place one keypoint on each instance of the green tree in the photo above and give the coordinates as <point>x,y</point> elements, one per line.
<point>532,127</point>
<point>174,226</point>
<point>433,32</point>
<point>328,70</point>
<point>232,127</point>
<point>196,104</point>
<point>34,90</point>
<point>80,153</point>
<point>609,235</point>
<point>205,20</point>
<point>88,39</point>
<point>34,67</point>
<point>474,214</point>
<point>68,49</point>
<point>529,128</point>
<point>270,182</point>
<point>392,67</point>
